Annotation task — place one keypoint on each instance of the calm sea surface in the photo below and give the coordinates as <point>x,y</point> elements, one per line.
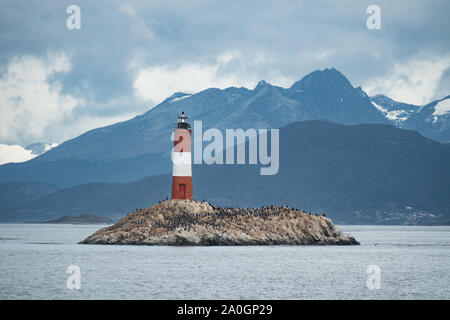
<point>414,264</point>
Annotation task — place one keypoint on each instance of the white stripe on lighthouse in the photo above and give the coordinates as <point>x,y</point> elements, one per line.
<point>182,164</point>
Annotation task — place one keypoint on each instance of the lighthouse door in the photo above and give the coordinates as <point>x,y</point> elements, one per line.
<point>182,190</point>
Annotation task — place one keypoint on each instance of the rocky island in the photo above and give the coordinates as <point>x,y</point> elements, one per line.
<point>195,223</point>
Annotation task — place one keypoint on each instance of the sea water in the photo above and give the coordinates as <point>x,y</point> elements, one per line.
<point>413,262</point>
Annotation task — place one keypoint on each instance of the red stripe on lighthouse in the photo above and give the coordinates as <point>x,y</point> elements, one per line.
<point>182,188</point>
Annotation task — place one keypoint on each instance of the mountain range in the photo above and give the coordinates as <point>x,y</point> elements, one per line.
<point>132,145</point>
<point>115,161</point>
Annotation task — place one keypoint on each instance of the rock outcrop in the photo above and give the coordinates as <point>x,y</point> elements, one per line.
<point>195,223</point>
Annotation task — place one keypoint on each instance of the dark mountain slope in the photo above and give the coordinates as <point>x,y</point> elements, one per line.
<point>68,172</point>
<point>100,199</point>
<point>355,174</point>
<point>14,193</point>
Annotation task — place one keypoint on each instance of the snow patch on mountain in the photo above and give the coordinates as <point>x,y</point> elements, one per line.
<point>180,98</point>
<point>441,108</point>
<point>394,115</point>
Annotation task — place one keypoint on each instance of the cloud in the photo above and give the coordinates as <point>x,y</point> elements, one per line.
<point>156,83</point>
<point>415,81</point>
<point>138,24</point>
<point>34,108</point>
<point>76,125</point>
<point>189,46</point>
<point>159,82</point>
<point>31,99</point>
<point>14,153</point>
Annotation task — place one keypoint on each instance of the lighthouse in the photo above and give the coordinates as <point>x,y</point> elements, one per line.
<point>181,158</point>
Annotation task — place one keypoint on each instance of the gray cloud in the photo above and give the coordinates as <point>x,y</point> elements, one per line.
<point>274,40</point>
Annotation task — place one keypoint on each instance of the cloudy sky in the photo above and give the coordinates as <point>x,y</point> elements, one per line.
<point>128,56</point>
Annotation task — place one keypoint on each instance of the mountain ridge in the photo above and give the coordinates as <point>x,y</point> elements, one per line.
<point>364,174</point>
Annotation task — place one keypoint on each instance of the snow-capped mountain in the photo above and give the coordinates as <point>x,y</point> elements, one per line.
<point>366,172</point>
<point>431,120</point>
<point>17,153</point>
<point>325,94</point>
<point>123,151</point>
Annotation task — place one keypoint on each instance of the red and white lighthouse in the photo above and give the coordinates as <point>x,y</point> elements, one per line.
<point>181,158</point>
